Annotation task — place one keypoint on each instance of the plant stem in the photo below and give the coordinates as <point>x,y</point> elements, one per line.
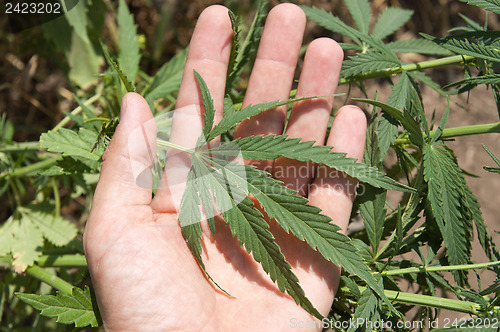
<point>78,109</point>
<point>19,147</point>
<point>168,144</point>
<point>439,268</point>
<point>50,279</point>
<point>30,168</point>
<point>446,61</point>
<point>429,301</point>
<point>57,197</point>
<point>450,60</point>
<point>75,260</point>
<point>461,131</point>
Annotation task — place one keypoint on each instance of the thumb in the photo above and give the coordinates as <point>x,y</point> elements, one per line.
<point>125,173</point>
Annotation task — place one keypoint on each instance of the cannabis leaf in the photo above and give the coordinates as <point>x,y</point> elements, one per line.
<point>128,45</point>
<point>404,118</point>
<point>466,47</point>
<point>390,20</point>
<point>360,12</point>
<point>167,80</point>
<point>75,308</point>
<point>447,199</point>
<point>491,5</point>
<point>273,147</point>
<point>247,224</point>
<point>484,79</point>
<point>495,159</point>
<point>129,86</point>
<point>369,309</point>
<point>331,22</point>
<point>366,62</point>
<point>213,177</point>
<point>242,52</point>
<point>422,46</point>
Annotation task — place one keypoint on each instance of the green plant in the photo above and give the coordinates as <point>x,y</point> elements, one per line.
<point>434,218</point>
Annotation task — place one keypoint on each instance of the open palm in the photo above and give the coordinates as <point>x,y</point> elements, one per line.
<point>144,275</point>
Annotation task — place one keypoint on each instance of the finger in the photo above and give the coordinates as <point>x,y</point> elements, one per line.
<point>309,118</point>
<point>334,191</point>
<point>125,177</point>
<point>273,71</point>
<point>208,54</point>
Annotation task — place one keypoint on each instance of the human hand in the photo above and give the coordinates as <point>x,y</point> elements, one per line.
<point>144,275</point>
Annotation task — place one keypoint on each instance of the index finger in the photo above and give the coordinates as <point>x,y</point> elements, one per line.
<point>209,55</point>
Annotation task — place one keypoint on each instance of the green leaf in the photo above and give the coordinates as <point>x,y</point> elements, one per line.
<point>235,50</point>
<point>246,224</point>
<point>390,20</point>
<point>56,229</point>
<point>366,62</point>
<point>77,19</point>
<point>27,245</point>
<point>465,47</point>
<point>403,117</point>
<point>190,217</point>
<point>447,200</point>
<point>331,22</point>
<point>245,53</point>
<point>421,46</point>
<point>360,12</point>
<point>304,221</point>
<point>231,120</point>
<point>495,159</point>
<point>129,86</point>
<point>400,92</point>
<point>7,235</point>
<point>442,124</point>
<point>491,5</point>
<point>83,61</point>
<point>69,309</point>
<point>388,126</point>
<point>371,208</point>
<point>70,143</point>
<point>129,54</point>
<point>208,105</point>
<point>484,79</point>
<point>368,310</point>
<point>485,239</point>
<point>167,80</point>
<point>272,147</point>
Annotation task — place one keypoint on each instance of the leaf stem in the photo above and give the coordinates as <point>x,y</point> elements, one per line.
<point>61,285</point>
<point>30,168</point>
<point>78,109</point>
<point>450,60</point>
<point>460,131</point>
<point>422,269</point>
<point>429,301</point>
<point>75,260</point>
<point>57,197</point>
<point>19,147</point>
<point>168,144</point>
